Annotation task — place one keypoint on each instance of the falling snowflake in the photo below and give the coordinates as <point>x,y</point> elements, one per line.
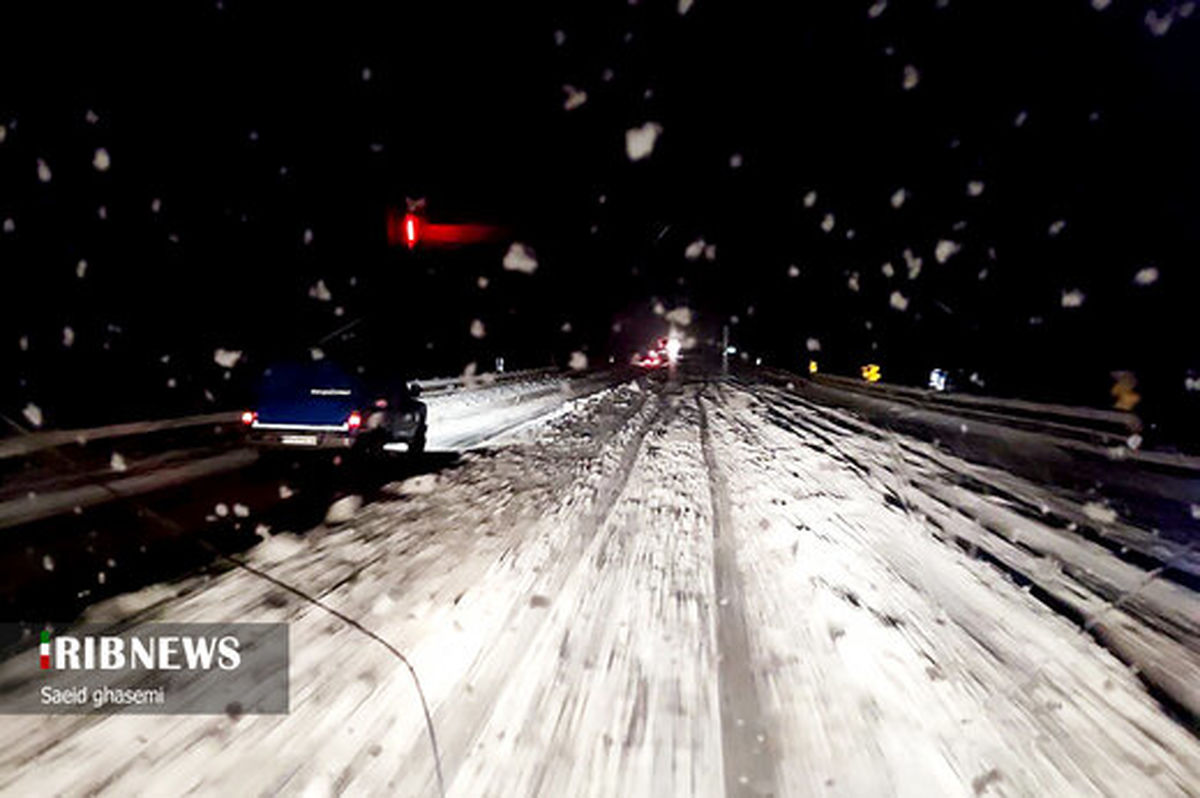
<point>482,282</point>
<point>366,74</point>
<point>888,270</point>
<point>852,281</point>
<point>222,509</point>
<point>307,237</point>
<point>810,199</point>
<point>681,316</point>
<point>23,343</point>
<point>559,38</point>
<point>1057,227</point>
<point>945,250</point>
<point>1020,119</point>
<point>316,353</point>
<point>155,205</point>
<point>911,77</point>
<point>43,171</point>
<point>827,223</point>
<point>100,160</point>
<point>81,268</point>
<point>578,362</point>
<point>877,8</point>
<point>1072,298</point>
<point>575,97</point>
<point>694,250</point>
<point>33,414</point>
<point>913,264</point>
<point>320,292</point>
<point>566,327</point>
<point>477,329</point>
<point>898,301</point>
<point>1146,276</point>
<point>710,252</point>
<point>899,197</point>
<point>975,188</point>
<point>227,358</point>
<point>639,141</point>
<point>3,133</point>
<point>117,462</point>
<point>812,345</point>
<point>793,271</point>
<point>1100,5</point>
<point>68,338</point>
<point>48,562</point>
<point>735,161</point>
<point>520,258</point>
<point>9,225</point>
<point>685,6</point>
<point>1159,24</point>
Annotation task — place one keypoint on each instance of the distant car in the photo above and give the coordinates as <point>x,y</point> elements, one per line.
<point>319,405</point>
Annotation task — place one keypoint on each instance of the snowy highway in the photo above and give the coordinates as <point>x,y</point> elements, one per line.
<point>685,585</point>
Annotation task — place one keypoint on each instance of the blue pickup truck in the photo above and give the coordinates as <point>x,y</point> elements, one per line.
<point>319,405</point>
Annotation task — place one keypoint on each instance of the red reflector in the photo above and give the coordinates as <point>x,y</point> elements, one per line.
<point>354,421</point>
<point>381,403</point>
<point>248,417</point>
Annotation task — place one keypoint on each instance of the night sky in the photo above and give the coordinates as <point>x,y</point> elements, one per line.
<point>1051,147</point>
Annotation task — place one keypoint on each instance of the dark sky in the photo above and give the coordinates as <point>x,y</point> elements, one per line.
<point>252,123</point>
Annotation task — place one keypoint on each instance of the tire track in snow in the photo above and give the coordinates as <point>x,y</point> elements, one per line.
<point>746,733</point>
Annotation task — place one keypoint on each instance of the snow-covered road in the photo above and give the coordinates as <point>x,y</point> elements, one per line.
<point>692,588</point>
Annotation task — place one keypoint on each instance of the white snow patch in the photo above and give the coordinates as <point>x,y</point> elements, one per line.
<point>227,358</point>
<point>101,160</point>
<point>1100,512</point>
<point>639,141</point>
<point>33,414</point>
<point>1072,298</point>
<point>945,250</point>
<point>420,485</point>
<point>343,509</point>
<point>520,258</point>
